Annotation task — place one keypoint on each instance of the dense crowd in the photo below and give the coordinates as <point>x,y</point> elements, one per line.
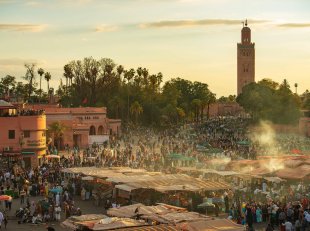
<point>149,149</point>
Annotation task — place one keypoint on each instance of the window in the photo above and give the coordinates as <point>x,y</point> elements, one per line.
<point>26,134</point>
<point>11,134</point>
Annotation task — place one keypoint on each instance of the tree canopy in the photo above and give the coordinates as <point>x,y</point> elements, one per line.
<point>268,100</point>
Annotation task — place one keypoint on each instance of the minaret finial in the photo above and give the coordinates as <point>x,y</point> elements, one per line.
<point>246,22</point>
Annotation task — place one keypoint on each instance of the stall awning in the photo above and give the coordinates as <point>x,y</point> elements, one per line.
<point>125,187</point>
<point>27,153</point>
<point>11,154</point>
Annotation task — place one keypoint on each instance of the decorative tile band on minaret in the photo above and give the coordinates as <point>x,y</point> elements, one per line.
<point>245,59</point>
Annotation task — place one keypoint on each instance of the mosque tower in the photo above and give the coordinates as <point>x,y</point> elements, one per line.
<point>246,59</point>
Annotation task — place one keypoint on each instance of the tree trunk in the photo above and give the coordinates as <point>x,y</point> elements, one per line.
<point>66,85</point>
<point>40,89</point>
<point>30,88</point>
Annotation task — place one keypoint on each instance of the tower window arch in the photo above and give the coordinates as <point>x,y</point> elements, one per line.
<point>92,130</point>
<point>100,130</point>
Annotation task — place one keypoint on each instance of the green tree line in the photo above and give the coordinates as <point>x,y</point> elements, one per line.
<point>133,95</point>
<point>269,100</point>
<point>138,96</point>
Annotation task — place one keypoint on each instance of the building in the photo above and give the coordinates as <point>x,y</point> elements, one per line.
<point>83,125</point>
<point>22,135</point>
<point>224,109</point>
<point>245,59</point>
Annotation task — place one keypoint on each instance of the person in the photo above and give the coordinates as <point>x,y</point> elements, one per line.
<point>288,226</point>
<point>78,212</point>
<point>57,213</point>
<point>297,225</point>
<point>217,209</point>
<point>1,218</point>
<point>259,215</point>
<point>137,215</point>
<point>22,195</point>
<point>57,199</point>
<point>5,220</point>
<point>10,203</point>
<point>269,227</point>
<point>282,217</point>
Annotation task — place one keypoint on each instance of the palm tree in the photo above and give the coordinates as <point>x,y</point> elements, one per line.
<point>196,103</point>
<point>145,73</point>
<point>57,129</point>
<point>136,110</point>
<point>128,75</point>
<point>40,72</point>
<point>68,73</point>
<point>120,70</point>
<point>48,77</point>
<point>296,85</point>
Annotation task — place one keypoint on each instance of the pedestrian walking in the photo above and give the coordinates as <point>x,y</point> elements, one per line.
<point>22,195</point>
<point>1,219</point>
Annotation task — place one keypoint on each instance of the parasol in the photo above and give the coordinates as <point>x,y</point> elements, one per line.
<point>5,198</point>
<point>90,178</point>
<point>52,157</point>
<point>206,205</point>
<point>244,142</point>
<point>56,190</point>
<point>175,156</point>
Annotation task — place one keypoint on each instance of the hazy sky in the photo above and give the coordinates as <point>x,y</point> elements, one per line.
<point>191,39</point>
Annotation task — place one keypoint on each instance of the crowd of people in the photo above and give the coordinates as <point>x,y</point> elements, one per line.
<point>149,149</point>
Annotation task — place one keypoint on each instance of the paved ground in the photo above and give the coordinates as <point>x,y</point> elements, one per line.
<point>86,207</point>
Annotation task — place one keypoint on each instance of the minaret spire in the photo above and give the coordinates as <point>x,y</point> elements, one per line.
<point>246,22</point>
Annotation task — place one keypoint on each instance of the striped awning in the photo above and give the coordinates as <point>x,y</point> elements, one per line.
<point>152,228</point>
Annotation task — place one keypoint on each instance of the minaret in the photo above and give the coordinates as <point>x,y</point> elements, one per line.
<point>246,59</point>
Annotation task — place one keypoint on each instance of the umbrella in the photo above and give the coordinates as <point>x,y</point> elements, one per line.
<point>52,156</point>
<point>88,178</point>
<point>56,190</point>
<point>217,200</point>
<point>175,156</point>
<point>296,151</point>
<point>244,142</point>
<point>206,205</point>
<point>5,198</point>
<point>187,158</point>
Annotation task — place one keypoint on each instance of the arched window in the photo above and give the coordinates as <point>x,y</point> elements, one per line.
<point>92,130</point>
<point>100,130</point>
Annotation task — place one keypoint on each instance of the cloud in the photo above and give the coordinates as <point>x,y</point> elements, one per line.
<point>33,3</point>
<point>294,25</point>
<point>106,28</point>
<point>6,1</point>
<point>201,22</point>
<point>19,62</point>
<point>22,27</point>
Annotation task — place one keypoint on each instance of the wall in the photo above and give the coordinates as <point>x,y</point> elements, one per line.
<point>36,143</point>
<point>304,126</point>
<point>224,109</point>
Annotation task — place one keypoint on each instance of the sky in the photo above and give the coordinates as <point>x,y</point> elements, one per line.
<point>191,39</point>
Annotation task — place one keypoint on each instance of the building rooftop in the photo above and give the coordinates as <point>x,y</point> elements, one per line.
<point>6,105</point>
<point>76,110</point>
